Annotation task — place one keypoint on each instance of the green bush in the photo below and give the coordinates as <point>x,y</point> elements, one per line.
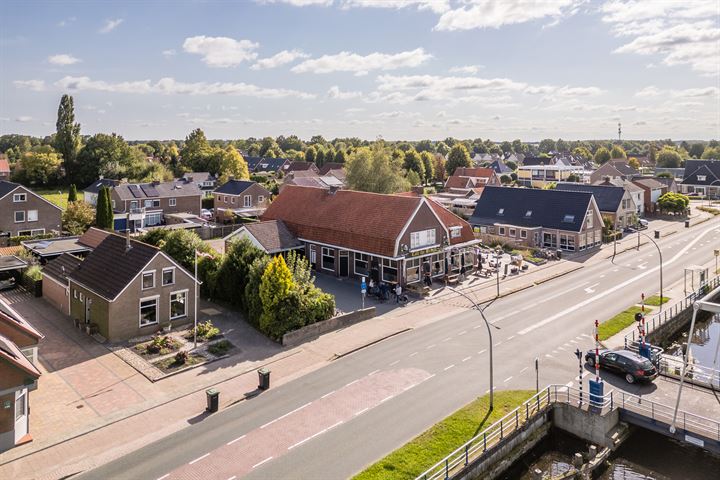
<point>181,357</point>
<point>33,272</point>
<point>220,348</point>
<point>205,330</point>
<point>14,241</point>
<point>161,344</point>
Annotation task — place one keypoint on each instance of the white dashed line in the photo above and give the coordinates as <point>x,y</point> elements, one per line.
<point>289,413</point>
<point>476,327</point>
<point>507,379</point>
<point>447,339</point>
<point>265,461</point>
<point>430,346</point>
<point>510,338</point>
<point>354,381</point>
<point>521,371</point>
<point>462,333</point>
<point>413,354</point>
<point>482,351</point>
<point>548,355</point>
<point>236,440</point>
<point>199,458</point>
<point>466,359</point>
<point>164,476</point>
<point>394,363</point>
<point>498,344</point>
<point>449,367</point>
<point>386,398</point>
<point>373,373</point>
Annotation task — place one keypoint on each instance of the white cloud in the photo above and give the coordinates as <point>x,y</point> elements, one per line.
<point>682,33</point>
<point>63,59</point>
<point>34,85</point>
<point>652,92</point>
<point>111,25</point>
<point>300,3</point>
<point>362,64</point>
<point>170,86</point>
<point>335,93</point>
<point>169,53</point>
<point>437,6</point>
<point>24,119</point>
<point>469,69</point>
<point>496,13</point>
<point>65,22</point>
<point>281,58</point>
<point>221,52</point>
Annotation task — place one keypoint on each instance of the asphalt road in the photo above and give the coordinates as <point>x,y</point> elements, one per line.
<point>331,423</point>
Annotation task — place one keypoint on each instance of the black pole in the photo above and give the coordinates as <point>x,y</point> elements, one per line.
<point>537,375</point>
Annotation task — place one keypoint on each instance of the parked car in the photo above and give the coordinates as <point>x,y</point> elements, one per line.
<point>642,223</point>
<point>206,214</point>
<point>627,363</point>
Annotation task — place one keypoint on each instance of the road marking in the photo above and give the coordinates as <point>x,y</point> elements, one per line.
<point>386,398</point>
<point>354,381</point>
<point>413,354</point>
<point>448,338</point>
<point>373,373</point>
<point>521,371</point>
<point>431,346</point>
<point>482,351</point>
<point>477,326</point>
<point>507,379</point>
<point>643,266</point>
<point>510,338</point>
<point>466,359</point>
<point>164,476</point>
<point>395,362</point>
<point>561,349</point>
<point>615,269</point>
<point>590,288</point>
<point>199,458</point>
<point>462,333</point>
<point>449,367</point>
<point>573,341</point>
<point>237,439</point>
<point>617,287</point>
<point>232,478</point>
<point>264,461</point>
<point>554,352</point>
<point>289,413</point>
<point>602,276</point>
<point>566,344</point>
<point>498,344</point>
<point>548,356</point>
<point>362,411</point>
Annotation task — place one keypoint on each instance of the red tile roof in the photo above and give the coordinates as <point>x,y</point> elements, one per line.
<point>12,354</point>
<point>10,317</point>
<point>367,222</point>
<point>457,182</point>
<point>452,220</point>
<point>11,250</point>
<point>474,172</point>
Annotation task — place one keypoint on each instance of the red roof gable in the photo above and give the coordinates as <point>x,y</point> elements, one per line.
<point>449,219</point>
<point>474,172</point>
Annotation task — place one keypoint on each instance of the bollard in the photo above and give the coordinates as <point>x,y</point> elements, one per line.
<point>577,460</point>
<point>592,451</point>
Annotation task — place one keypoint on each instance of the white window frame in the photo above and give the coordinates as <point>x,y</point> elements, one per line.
<point>247,201</point>
<point>165,270</point>
<point>261,198</point>
<point>323,254</point>
<point>422,239</point>
<point>513,232</point>
<point>386,264</point>
<point>19,197</point>
<point>133,204</point>
<point>184,292</point>
<point>148,203</point>
<point>523,234</point>
<point>157,311</point>
<point>142,279</point>
<point>455,232</point>
<point>589,220</point>
<point>75,293</point>
<point>37,231</point>
<point>313,255</point>
<point>363,258</point>
<point>29,215</point>
<point>82,297</point>
<point>24,233</point>
<point>15,217</point>
<point>232,200</point>
<point>501,230</point>
<point>702,178</point>
<point>172,202</point>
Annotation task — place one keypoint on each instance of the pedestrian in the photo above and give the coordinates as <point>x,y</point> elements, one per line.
<point>398,292</point>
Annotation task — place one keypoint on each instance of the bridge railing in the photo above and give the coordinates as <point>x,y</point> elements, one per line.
<point>659,412</point>
<point>661,318</point>
<point>671,366</point>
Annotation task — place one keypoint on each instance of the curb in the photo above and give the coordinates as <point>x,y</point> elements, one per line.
<point>338,356</point>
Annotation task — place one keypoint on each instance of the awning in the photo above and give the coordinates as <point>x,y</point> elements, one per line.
<point>11,262</point>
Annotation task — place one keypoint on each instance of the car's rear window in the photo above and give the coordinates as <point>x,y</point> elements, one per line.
<point>646,364</point>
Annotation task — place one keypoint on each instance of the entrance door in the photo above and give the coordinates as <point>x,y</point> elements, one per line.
<point>344,263</point>
<point>21,415</point>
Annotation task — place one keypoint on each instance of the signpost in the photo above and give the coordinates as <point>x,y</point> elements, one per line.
<point>363,291</point>
<point>643,349</point>
<point>596,386</point>
<point>537,375</point>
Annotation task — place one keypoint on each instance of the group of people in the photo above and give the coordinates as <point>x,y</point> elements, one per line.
<point>383,290</point>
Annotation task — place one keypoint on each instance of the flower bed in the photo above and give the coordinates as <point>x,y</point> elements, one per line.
<point>172,363</point>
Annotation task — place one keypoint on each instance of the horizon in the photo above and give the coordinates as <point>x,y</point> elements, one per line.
<point>400,70</point>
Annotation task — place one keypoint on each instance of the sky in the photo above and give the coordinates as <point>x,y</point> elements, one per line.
<point>396,69</point>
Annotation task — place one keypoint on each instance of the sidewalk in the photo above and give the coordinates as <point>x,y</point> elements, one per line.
<point>181,400</point>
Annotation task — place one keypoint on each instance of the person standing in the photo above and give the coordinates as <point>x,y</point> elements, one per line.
<point>398,292</point>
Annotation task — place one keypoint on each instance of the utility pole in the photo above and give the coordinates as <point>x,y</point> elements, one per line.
<point>619,132</point>
<point>578,354</point>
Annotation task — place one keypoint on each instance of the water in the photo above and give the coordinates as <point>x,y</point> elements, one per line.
<point>704,342</point>
<point>644,455</point>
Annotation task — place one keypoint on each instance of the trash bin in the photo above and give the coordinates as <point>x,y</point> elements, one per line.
<point>558,253</point>
<point>687,223</point>
<point>213,400</point>
<point>263,379</point>
<point>657,233</point>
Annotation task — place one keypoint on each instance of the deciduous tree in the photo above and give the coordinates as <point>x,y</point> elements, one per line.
<point>458,157</point>
<point>67,137</point>
<point>372,169</point>
<point>77,217</point>
<point>602,155</point>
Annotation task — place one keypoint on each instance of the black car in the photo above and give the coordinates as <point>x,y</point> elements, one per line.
<point>627,363</point>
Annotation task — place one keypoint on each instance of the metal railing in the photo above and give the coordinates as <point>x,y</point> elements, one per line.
<point>661,318</point>
<point>538,404</point>
<point>659,412</point>
<point>671,366</point>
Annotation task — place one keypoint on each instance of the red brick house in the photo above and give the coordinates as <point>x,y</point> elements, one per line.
<point>389,238</point>
<point>472,177</point>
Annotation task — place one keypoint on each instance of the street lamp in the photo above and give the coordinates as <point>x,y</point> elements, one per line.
<point>487,324</point>
<point>661,262</point>
<point>708,191</point>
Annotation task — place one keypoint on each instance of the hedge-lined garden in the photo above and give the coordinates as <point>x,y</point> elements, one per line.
<point>276,296</point>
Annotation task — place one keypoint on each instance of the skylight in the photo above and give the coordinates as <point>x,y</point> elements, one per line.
<point>569,218</point>
<point>501,211</point>
<point>528,213</point>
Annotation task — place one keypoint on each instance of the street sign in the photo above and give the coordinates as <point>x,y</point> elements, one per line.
<point>363,286</point>
<point>596,393</point>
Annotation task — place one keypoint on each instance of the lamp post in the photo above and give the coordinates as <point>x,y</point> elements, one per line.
<point>708,191</point>
<point>196,302</point>
<point>487,325</point>
<point>661,262</point>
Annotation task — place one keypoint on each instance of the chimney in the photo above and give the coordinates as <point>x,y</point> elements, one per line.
<point>128,246</point>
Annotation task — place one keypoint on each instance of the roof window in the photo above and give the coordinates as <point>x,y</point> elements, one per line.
<point>528,214</point>
<point>501,211</point>
<point>568,218</point>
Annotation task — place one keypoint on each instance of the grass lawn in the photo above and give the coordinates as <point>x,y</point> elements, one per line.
<point>58,196</point>
<point>655,300</point>
<point>617,323</point>
<point>434,444</point>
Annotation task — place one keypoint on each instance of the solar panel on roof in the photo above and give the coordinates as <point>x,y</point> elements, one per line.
<point>135,190</point>
<point>150,190</point>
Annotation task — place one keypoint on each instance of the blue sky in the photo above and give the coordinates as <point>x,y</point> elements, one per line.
<point>400,69</point>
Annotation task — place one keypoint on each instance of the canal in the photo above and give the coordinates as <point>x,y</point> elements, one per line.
<point>705,342</point>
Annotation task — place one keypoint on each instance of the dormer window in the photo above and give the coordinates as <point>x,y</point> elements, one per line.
<point>501,211</point>
<point>568,218</point>
<point>528,214</point>
<point>702,178</point>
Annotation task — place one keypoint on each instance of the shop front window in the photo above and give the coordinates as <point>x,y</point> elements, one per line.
<point>389,271</point>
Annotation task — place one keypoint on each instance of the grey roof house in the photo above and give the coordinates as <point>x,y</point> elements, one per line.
<point>538,218</point>
<point>701,177</point>
<point>615,203</point>
<point>242,198</point>
<point>270,236</point>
